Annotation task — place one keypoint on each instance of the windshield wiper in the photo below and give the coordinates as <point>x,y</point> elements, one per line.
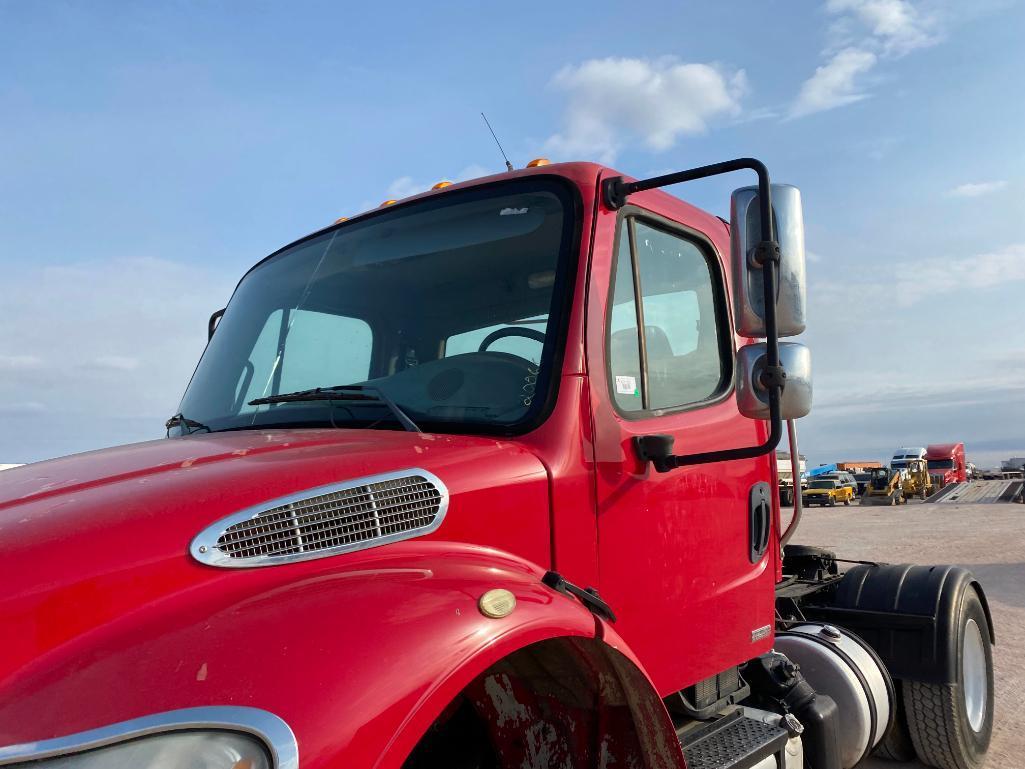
<point>180,420</point>
<point>358,393</point>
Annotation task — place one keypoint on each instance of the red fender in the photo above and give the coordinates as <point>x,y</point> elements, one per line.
<point>357,655</point>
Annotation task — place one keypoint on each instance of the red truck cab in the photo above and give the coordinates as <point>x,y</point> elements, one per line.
<point>483,478</point>
<point>946,464</point>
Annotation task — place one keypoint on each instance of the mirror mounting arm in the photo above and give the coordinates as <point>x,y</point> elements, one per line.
<point>657,449</point>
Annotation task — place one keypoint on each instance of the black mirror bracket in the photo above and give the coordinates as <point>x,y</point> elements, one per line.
<point>765,252</point>
<point>657,449</point>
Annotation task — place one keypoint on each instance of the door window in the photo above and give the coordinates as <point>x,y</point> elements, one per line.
<point>682,361</point>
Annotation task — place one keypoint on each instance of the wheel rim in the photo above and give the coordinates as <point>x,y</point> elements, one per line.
<point>976,683</point>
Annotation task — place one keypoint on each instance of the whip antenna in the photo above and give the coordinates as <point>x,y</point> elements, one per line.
<point>508,165</point>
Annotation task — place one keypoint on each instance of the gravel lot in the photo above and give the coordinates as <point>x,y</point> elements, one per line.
<point>988,539</point>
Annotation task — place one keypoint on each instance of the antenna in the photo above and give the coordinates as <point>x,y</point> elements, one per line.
<point>508,165</point>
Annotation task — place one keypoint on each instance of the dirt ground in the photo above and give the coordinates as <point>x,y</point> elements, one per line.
<point>989,539</point>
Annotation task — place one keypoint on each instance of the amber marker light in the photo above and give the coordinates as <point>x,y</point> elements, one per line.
<point>536,162</point>
<point>441,185</point>
<point>497,603</point>
<point>388,203</point>
<point>341,219</point>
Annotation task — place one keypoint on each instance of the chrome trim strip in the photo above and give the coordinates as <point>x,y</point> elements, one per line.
<point>204,546</point>
<point>267,727</point>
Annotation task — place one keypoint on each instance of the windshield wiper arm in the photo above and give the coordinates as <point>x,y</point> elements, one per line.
<point>180,420</point>
<point>362,393</point>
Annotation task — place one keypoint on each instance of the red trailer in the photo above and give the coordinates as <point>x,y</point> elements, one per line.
<point>485,479</point>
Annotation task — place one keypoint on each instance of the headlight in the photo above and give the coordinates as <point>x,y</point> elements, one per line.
<point>224,737</point>
<point>176,750</point>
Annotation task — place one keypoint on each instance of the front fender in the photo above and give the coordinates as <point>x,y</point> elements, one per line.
<point>357,655</point>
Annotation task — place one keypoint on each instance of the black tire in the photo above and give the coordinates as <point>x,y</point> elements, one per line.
<point>896,744</point>
<point>937,714</point>
<point>832,501</point>
<point>847,502</point>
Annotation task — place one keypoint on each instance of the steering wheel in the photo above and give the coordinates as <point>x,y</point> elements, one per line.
<point>502,333</point>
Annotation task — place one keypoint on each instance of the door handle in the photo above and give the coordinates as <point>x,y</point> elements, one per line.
<point>759,521</point>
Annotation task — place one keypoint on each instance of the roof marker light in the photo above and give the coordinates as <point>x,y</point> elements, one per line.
<point>341,219</point>
<point>388,203</point>
<point>536,162</point>
<point>441,185</point>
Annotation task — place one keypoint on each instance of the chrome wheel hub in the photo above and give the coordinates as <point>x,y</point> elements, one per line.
<point>975,684</point>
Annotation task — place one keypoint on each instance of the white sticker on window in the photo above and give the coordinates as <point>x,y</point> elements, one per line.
<point>626,385</point>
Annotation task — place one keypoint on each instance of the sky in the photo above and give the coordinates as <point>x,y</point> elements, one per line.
<point>151,153</point>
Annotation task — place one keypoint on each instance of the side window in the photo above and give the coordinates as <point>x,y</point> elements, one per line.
<point>682,356</point>
<point>624,346</point>
<point>341,349</point>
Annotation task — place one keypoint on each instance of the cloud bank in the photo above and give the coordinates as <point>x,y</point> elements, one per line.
<point>654,101</point>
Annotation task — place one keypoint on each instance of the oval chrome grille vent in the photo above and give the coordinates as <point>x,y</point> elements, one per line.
<point>356,514</point>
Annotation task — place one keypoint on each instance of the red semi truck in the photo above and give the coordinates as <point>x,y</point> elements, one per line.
<point>482,479</point>
<point>946,464</point>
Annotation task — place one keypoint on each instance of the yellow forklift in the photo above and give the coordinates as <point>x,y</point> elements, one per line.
<point>883,487</point>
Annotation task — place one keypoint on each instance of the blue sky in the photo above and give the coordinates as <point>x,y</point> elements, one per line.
<point>153,152</point>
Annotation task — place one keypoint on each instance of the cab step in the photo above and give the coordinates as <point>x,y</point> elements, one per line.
<point>733,741</point>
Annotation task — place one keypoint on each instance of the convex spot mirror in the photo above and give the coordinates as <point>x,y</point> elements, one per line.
<point>748,287</point>
<point>753,398</point>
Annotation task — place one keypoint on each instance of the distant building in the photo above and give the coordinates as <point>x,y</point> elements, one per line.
<point>858,466</point>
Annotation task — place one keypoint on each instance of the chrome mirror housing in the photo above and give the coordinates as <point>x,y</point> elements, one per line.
<point>748,289</point>
<point>753,397</point>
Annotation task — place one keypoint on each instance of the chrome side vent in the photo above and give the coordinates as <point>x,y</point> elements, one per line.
<point>340,518</point>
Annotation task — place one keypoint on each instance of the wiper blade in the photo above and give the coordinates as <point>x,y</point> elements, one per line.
<point>180,420</point>
<point>357,393</point>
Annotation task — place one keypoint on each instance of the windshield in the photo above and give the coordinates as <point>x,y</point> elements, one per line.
<point>822,485</point>
<point>450,307</point>
<point>941,464</point>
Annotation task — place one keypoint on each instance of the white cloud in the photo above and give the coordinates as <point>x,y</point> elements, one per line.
<point>834,84</point>
<point>920,279</point>
<point>22,408</point>
<point>976,189</point>
<point>19,362</point>
<point>113,363</point>
<point>109,344</point>
<point>866,30</point>
<point>614,100</point>
<point>896,25</point>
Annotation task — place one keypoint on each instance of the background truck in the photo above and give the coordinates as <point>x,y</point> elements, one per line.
<point>785,474</point>
<point>946,464</point>
<point>905,454</point>
<point>484,479</point>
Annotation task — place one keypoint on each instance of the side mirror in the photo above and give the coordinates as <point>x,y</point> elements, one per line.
<point>748,289</point>
<point>753,397</point>
<point>211,325</point>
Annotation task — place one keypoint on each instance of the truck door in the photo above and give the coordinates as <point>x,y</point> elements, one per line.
<point>675,549</point>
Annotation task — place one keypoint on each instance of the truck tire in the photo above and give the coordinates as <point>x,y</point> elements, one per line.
<point>951,724</point>
<point>847,502</point>
<point>896,745</point>
<point>832,501</point>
